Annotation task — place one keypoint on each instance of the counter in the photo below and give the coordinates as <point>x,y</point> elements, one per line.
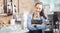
<point>5,20</point>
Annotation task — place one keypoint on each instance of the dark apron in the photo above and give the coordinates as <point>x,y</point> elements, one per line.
<point>33,21</point>
<point>35,31</point>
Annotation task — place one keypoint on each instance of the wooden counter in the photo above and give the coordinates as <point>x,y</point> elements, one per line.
<point>5,20</point>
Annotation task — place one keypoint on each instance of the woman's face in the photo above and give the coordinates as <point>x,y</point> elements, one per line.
<point>38,8</point>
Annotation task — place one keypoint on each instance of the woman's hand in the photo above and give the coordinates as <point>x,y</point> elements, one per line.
<point>34,25</point>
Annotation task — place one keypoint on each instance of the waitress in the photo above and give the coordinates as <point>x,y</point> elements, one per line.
<point>36,21</point>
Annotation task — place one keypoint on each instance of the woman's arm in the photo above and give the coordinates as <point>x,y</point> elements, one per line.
<point>38,26</point>
<point>43,25</point>
<point>29,25</point>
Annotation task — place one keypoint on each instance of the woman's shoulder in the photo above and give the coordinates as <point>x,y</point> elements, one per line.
<point>29,16</point>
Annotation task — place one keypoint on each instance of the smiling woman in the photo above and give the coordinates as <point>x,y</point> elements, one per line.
<point>36,21</point>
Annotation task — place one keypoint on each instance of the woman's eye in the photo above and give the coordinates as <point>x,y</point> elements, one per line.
<point>36,8</point>
<point>39,8</point>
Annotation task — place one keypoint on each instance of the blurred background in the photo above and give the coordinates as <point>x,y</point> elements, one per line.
<point>13,15</point>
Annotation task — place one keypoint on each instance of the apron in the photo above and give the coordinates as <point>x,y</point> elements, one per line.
<point>34,21</point>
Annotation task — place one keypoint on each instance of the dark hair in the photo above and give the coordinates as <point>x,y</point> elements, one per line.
<point>41,13</point>
<point>38,3</point>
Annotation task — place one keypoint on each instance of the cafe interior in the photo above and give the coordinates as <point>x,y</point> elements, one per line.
<point>13,15</point>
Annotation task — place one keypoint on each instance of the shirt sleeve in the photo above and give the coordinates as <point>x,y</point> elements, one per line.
<point>29,26</point>
<point>38,26</point>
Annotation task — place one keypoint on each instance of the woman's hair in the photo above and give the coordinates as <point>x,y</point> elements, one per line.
<point>38,3</point>
<point>41,13</point>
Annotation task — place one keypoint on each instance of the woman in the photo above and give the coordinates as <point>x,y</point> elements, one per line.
<point>36,21</point>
